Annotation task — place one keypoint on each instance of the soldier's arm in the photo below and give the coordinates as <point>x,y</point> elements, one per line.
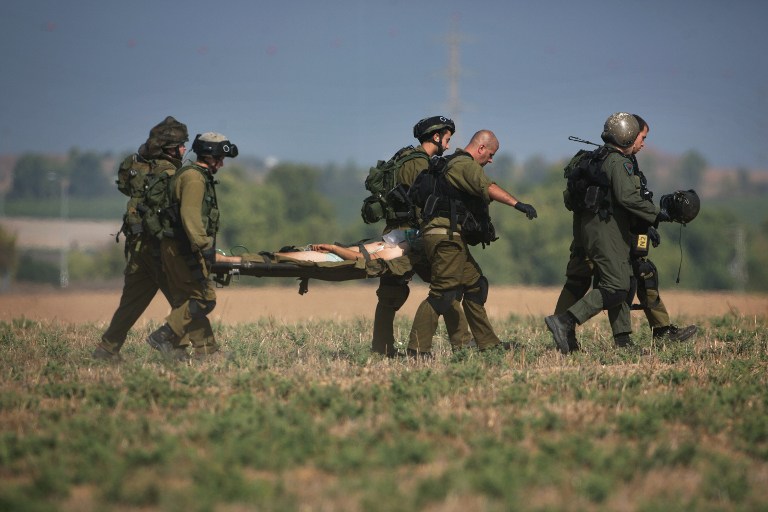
<point>191,192</point>
<point>626,191</point>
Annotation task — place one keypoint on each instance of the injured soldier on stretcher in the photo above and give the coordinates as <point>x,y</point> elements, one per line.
<point>392,245</point>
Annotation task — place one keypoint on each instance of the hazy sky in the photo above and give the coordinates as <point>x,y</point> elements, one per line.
<point>340,81</point>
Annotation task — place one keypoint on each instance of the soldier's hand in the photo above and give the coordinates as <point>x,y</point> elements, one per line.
<point>654,236</point>
<point>527,209</point>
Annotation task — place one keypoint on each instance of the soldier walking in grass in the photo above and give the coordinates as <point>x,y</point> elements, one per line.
<point>162,152</point>
<point>453,196</point>
<point>188,250</point>
<point>434,136</point>
<point>605,193</point>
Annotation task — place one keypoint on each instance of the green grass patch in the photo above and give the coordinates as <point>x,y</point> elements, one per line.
<point>302,417</point>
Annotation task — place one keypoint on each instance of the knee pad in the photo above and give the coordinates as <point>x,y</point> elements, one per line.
<point>577,287</point>
<point>647,274</point>
<point>442,303</point>
<point>478,292</point>
<point>201,308</point>
<point>612,298</point>
<point>393,295</point>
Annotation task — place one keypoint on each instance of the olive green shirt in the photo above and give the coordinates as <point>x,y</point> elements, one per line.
<point>412,168</point>
<point>466,175</point>
<point>190,194</point>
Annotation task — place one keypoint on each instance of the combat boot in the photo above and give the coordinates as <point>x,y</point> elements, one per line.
<point>563,329</point>
<point>163,340</point>
<point>623,341</point>
<point>674,333</point>
<point>102,354</point>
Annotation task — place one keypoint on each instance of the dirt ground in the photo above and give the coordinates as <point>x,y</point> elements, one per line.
<point>240,304</point>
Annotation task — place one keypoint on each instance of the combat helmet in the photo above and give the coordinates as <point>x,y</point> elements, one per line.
<point>169,132</point>
<point>430,125</point>
<point>621,129</point>
<point>213,144</point>
<point>682,205</point>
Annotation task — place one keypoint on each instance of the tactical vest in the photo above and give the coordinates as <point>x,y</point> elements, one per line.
<point>588,188</point>
<point>209,209</point>
<point>436,197</point>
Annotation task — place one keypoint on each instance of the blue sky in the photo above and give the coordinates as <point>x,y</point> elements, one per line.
<point>344,81</point>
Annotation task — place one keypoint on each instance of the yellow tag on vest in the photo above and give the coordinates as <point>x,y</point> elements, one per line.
<point>642,242</point>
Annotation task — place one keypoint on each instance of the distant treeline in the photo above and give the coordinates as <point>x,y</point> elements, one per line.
<point>725,248</point>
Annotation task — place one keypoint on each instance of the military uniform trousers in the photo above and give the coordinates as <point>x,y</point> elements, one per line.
<point>143,278</point>
<point>579,274</point>
<point>456,281</point>
<point>608,251</point>
<point>195,294</point>
<point>648,296</point>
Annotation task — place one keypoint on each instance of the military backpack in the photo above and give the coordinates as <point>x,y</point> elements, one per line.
<point>588,187</point>
<point>131,176</point>
<point>388,199</point>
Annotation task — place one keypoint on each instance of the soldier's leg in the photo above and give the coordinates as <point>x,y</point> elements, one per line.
<point>392,294</point>
<point>139,288</point>
<point>446,258</point>
<point>578,279</point>
<point>475,296</point>
<point>647,277</point>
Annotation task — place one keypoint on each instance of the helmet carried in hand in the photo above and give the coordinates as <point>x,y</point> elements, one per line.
<point>682,206</point>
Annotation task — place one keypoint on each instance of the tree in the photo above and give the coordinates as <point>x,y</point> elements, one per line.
<point>37,176</point>
<point>86,176</point>
<point>690,171</point>
<point>298,183</point>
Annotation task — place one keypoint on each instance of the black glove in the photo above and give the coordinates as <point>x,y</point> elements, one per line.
<point>663,216</point>
<point>654,236</point>
<point>527,209</point>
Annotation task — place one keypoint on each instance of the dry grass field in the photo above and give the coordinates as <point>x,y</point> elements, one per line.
<point>241,304</point>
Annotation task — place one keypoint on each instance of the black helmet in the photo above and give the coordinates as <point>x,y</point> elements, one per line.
<point>213,144</point>
<point>621,129</point>
<point>169,132</point>
<point>682,206</point>
<point>430,125</point>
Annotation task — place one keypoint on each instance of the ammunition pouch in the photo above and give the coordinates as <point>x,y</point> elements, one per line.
<point>476,232</point>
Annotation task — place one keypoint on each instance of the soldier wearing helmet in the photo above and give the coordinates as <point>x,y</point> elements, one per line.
<point>603,236</point>
<point>189,252</point>
<point>434,136</point>
<point>645,277</point>
<point>162,152</point>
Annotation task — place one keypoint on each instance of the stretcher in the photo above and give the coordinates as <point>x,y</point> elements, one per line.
<point>265,264</point>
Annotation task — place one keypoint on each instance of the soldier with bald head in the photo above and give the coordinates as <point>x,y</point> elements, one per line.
<point>453,196</point>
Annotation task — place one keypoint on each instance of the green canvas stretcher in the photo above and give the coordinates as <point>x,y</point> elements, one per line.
<point>267,264</point>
